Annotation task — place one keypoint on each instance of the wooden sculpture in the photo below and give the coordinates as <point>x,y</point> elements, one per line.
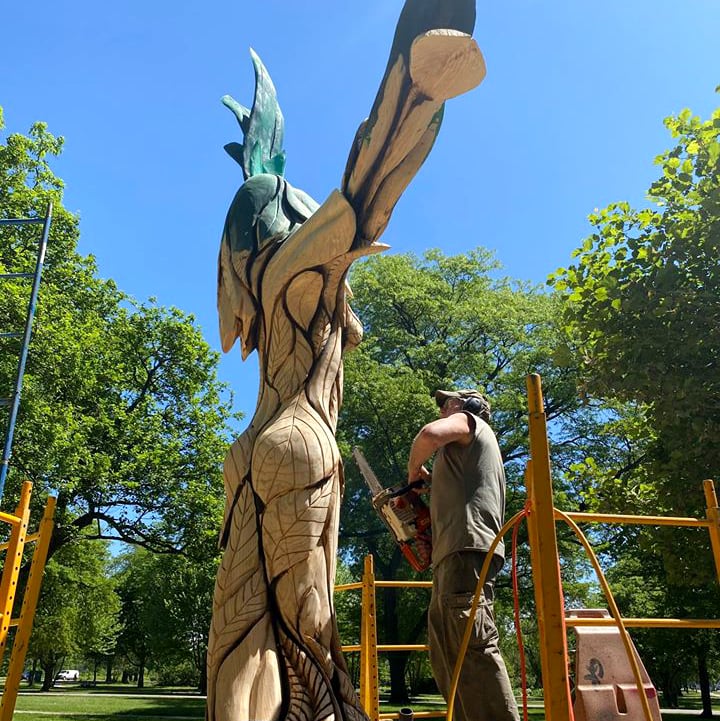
<point>274,651</point>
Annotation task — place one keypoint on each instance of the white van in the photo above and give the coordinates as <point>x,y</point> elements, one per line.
<point>68,675</point>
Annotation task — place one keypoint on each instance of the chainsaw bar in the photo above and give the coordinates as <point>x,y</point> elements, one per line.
<point>367,473</point>
<point>403,512</point>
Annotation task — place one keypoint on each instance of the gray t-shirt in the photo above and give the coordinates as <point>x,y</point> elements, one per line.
<point>467,505</point>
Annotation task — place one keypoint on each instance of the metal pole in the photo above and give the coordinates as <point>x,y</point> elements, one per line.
<point>7,451</point>
<point>713,515</point>
<point>21,221</point>
<point>27,613</point>
<point>545,564</point>
<point>369,692</point>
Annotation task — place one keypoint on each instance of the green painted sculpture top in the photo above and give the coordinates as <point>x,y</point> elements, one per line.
<point>266,208</point>
<point>263,127</point>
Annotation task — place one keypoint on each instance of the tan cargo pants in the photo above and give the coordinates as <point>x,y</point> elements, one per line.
<point>484,691</point>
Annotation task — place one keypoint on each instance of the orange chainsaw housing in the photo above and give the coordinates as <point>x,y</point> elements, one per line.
<point>418,552</point>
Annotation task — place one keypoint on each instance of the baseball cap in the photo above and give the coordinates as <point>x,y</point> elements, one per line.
<point>480,405</point>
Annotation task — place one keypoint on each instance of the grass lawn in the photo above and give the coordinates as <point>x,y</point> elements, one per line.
<point>75,704</point>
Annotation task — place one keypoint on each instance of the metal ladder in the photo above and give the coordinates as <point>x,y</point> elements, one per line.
<point>18,519</point>
<point>13,401</point>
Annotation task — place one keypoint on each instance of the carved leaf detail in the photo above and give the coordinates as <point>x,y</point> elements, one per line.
<point>310,697</point>
<point>302,297</point>
<point>291,374</point>
<point>235,469</point>
<point>240,560</point>
<point>281,341</point>
<point>293,525</point>
<point>321,385</point>
<point>236,615</point>
<point>240,597</point>
<point>351,703</point>
<point>320,330</point>
<point>295,451</point>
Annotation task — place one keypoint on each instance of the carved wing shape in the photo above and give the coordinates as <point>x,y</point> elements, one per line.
<point>433,58</point>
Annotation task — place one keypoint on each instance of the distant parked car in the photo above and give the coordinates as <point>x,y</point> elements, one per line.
<point>68,675</point>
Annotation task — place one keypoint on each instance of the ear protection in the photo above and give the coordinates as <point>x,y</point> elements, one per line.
<point>479,407</point>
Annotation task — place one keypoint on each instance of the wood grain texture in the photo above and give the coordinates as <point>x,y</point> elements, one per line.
<point>274,652</point>
<point>273,620</point>
<point>394,141</point>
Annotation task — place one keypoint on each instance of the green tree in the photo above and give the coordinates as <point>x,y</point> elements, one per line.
<point>186,587</point>
<point>444,322</point>
<point>141,613</point>
<point>121,410</point>
<point>165,614</point>
<point>78,608</point>
<point>642,304</point>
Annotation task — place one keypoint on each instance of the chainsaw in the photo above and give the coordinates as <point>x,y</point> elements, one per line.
<point>404,513</point>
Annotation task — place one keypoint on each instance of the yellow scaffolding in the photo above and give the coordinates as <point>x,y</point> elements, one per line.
<point>541,516</point>
<point>369,647</point>
<point>14,548</point>
<point>540,513</point>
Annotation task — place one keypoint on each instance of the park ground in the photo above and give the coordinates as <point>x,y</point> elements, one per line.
<point>126,703</point>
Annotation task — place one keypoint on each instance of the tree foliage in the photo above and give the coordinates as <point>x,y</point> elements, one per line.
<point>121,412</point>
<point>166,603</point>
<point>77,613</point>
<point>643,302</point>
<point>445,322</point>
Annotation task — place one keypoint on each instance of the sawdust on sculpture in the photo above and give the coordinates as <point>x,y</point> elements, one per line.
<point>274,651</point>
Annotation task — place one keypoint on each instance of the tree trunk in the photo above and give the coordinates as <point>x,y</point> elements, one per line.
<point>704,678</point>
<point>141,676</point>
<point>108,669</point>
<point>125,676</point>
<point>670,692</point>
<point>48,677</point>
<point>398,686</point>
<point>203,683</point>
<point>397,661</point>
<point>32,673</point>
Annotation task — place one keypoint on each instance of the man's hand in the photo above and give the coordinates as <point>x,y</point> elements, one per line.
<point>419,474</point>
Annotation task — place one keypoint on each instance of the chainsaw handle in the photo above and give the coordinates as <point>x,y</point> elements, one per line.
<point>408,487</point>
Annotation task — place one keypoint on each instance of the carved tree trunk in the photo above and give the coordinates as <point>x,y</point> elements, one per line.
<point>274,651</point>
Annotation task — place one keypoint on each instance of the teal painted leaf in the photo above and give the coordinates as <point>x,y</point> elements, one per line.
<point>241,112</point>
<point>263,127</point>
<point>235,151</point>
<point>266,126</point>
<point>276,164</point>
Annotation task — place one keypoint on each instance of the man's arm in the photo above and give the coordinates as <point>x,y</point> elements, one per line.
<point>456,428</point>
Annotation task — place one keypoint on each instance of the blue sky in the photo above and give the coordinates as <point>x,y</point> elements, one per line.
<point>568,119</point>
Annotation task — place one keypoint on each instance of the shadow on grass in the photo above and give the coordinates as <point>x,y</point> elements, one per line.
<point>117,688</point>
<point>64,706</point>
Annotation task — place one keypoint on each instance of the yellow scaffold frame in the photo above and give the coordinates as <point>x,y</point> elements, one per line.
<point>14,548</point>
<point>541,517</point>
